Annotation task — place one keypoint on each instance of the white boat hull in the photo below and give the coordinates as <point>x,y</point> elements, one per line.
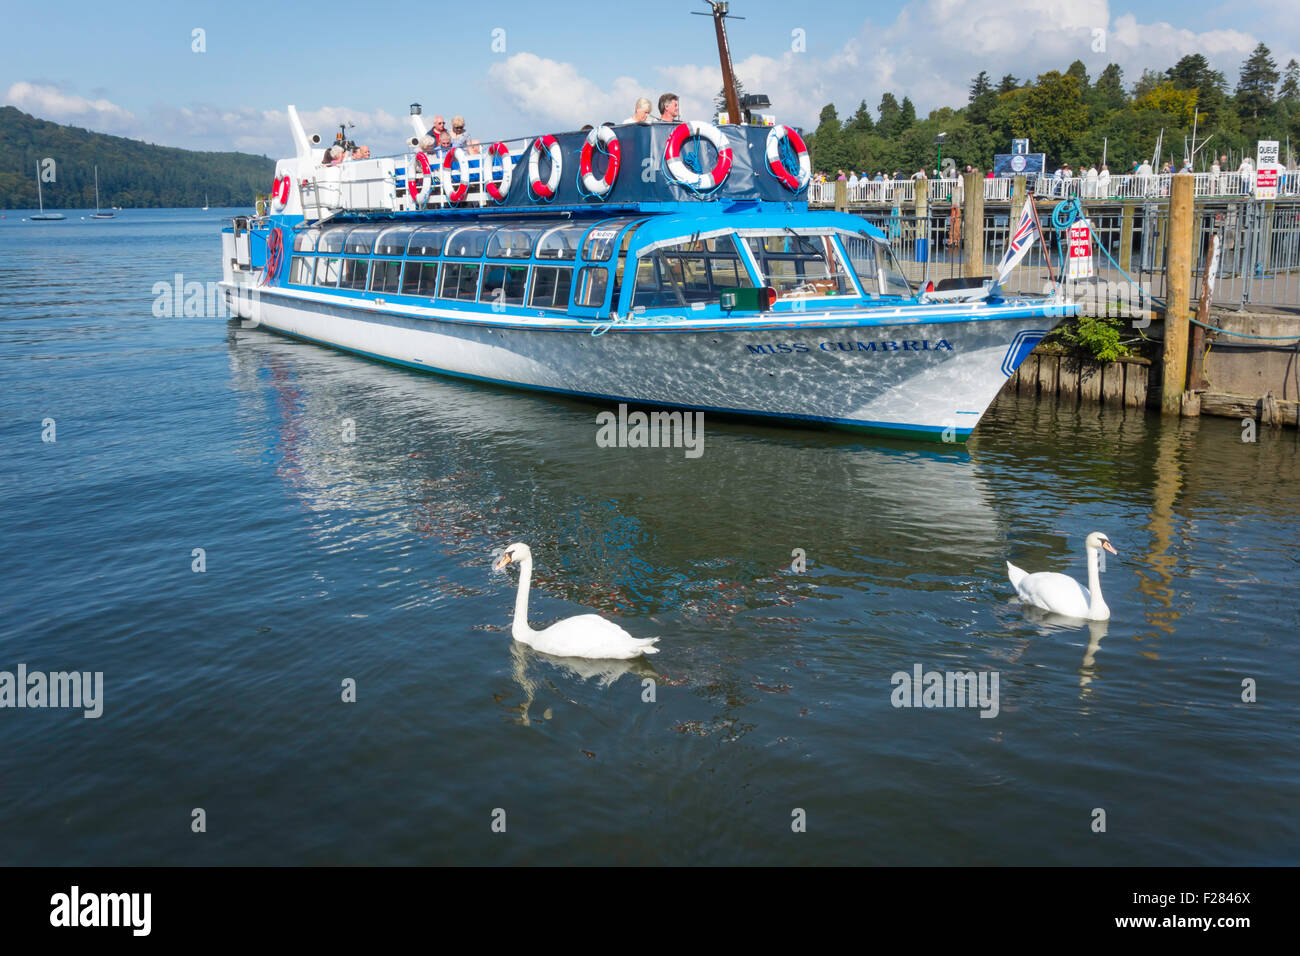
<point>930,379</point>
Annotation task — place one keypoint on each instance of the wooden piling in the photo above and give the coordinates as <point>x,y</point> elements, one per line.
<point>972,228</point>
<point>1178,287</point>
<point>1125,238</point>
<point>841,196</point>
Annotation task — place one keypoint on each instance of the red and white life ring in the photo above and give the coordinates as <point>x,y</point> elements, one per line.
<point>683,174</point>
<point>497,188</point>
<point>544,190</point>
<point>419,186</point>
<point>608,140</point>
<point>455,157</point>
<point>280,191</point>
<point>792,181</point>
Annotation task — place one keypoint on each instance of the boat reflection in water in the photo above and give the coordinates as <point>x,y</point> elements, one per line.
<point>660,542</point>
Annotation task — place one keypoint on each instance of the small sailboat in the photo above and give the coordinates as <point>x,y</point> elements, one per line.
<point>205,202</point>
<point>40,198</point>
<point>98,213</point>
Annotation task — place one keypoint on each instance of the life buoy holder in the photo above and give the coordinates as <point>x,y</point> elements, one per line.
<point>683,174</point>
<point>274,253</point>
<point>608,141</point>
<point>791,180</point>
<point>549,145</point>
<point>280,191</point>
<point>498,188</point>
<point>419,186</point>
<point>455,157</point>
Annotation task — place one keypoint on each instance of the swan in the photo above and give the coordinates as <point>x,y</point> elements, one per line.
<point>586,635</point>
<point>1060,593</point>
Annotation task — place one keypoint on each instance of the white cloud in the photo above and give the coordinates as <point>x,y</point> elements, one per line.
<point>49,102</point>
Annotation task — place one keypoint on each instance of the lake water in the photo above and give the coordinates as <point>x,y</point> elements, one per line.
<point>327,559</point>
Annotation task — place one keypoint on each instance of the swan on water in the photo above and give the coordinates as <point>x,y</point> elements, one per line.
<point>1060,593</point>
<point>586,635</point>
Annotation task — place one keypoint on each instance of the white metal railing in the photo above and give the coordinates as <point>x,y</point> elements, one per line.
<point>999,188</point>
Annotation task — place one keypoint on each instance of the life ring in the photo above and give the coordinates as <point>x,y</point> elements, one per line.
<point>455,157</point>
<point>608,140</point>
<point>683,174</point>
<point>790,180</point>
<point>420,186</point>
<point>274,253</point>
<point>544,190</point>
<point>498,188</point>
<point>280,191</point>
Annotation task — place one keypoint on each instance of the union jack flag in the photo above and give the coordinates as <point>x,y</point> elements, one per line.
<point>1027,230</point>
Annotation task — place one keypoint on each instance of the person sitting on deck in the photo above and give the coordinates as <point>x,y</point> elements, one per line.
<point>669,108</point>
<point>333,156</point>
<point>458,135</point>
<point>438,128</point>
<point>640,112</point>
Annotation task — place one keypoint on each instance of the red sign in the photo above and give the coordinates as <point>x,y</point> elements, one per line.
<point>1266,182</point>
<point>1080,252</point>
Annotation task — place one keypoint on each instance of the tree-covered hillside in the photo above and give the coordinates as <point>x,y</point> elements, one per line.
<point>131,173</point>
<point>1071,117</point>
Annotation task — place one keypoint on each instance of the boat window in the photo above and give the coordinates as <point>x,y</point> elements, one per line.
<point>300,270</point>
<point>800,266</point>
<point>560,242</point>
<point>428,242</point>
<point>420,278</point>
<point>468,242</point>
<point>593,282</point>
<point>622,260</point>
<point>392,242</point>
<point>689,272</point>
<point>305,241</point>
<point>354,273</point>
<point>327,271</point>
<point>460,281</point>
<point>599,244</point>
<point>386,276</point>
<point>876,265</point>
<point>331,240</point>
<point>512,242</point>
<point>504,284</point>
<point>361,241</point>
<point>551,286</point>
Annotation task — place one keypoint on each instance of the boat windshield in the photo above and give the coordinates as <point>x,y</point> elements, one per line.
<point>875,265</point>
<point>799,264</point>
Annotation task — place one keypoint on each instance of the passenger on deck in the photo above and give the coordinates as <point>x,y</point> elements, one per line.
<point>333,156</point>
<point>640,113</point>
<point>669,108</point>
<point>458,135</point>
<point>438,128</point>
<point>361,152</point>
<point>428,144</point>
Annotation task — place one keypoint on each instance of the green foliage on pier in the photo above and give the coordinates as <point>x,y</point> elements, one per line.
<point>131,173</point>
<point>1094,337</point>
<point>1069,116</point>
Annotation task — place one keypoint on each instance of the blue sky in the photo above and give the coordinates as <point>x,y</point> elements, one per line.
<point>130,69</point>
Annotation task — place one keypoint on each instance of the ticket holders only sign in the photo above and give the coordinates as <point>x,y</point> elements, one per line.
<point>1081,264</point>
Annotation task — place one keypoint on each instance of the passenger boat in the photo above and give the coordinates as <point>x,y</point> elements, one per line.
<point>666,265</point>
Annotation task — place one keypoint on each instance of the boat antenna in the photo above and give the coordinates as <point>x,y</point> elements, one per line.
<point>720,16</point>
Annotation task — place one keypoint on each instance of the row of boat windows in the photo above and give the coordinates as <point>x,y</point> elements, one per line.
<point>496,241</point>
<point>491,282</point>
<point>685,273</point>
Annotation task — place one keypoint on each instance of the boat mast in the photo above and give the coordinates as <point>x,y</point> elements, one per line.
<point>724,56</point>
<point>96,189</point>
<point>40,198</point>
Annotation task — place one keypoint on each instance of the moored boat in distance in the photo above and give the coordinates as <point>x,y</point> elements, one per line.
<point>44,216</point>
<point>99,213</point>
<point>677,266</point>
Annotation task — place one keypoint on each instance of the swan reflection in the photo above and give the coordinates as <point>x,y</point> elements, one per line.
<point>528,667</point>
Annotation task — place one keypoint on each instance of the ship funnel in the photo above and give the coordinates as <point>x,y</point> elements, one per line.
<point>300,143</point>
<point>417,122</point>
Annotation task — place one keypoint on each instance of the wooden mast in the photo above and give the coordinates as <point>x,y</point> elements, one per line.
<point>724,56</point>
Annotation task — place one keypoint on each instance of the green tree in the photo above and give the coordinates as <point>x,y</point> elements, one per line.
<point>1108,92</point>
<point>861,121</point>
<point>1080,73</point>
<point>1053,116</point>
<point>1255,87</point>
<point>1009,84</point>
<point>906,116</point>
<point>890,114</point>
<point>1289,91</point>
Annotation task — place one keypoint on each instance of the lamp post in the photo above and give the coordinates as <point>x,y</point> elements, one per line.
<point>938,141</point>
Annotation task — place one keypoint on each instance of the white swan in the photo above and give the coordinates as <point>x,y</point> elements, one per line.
<point>1060,593</point>
<point>587,635</point>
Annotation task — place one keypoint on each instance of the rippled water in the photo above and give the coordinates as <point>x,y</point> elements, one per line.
<point>370,559</point>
